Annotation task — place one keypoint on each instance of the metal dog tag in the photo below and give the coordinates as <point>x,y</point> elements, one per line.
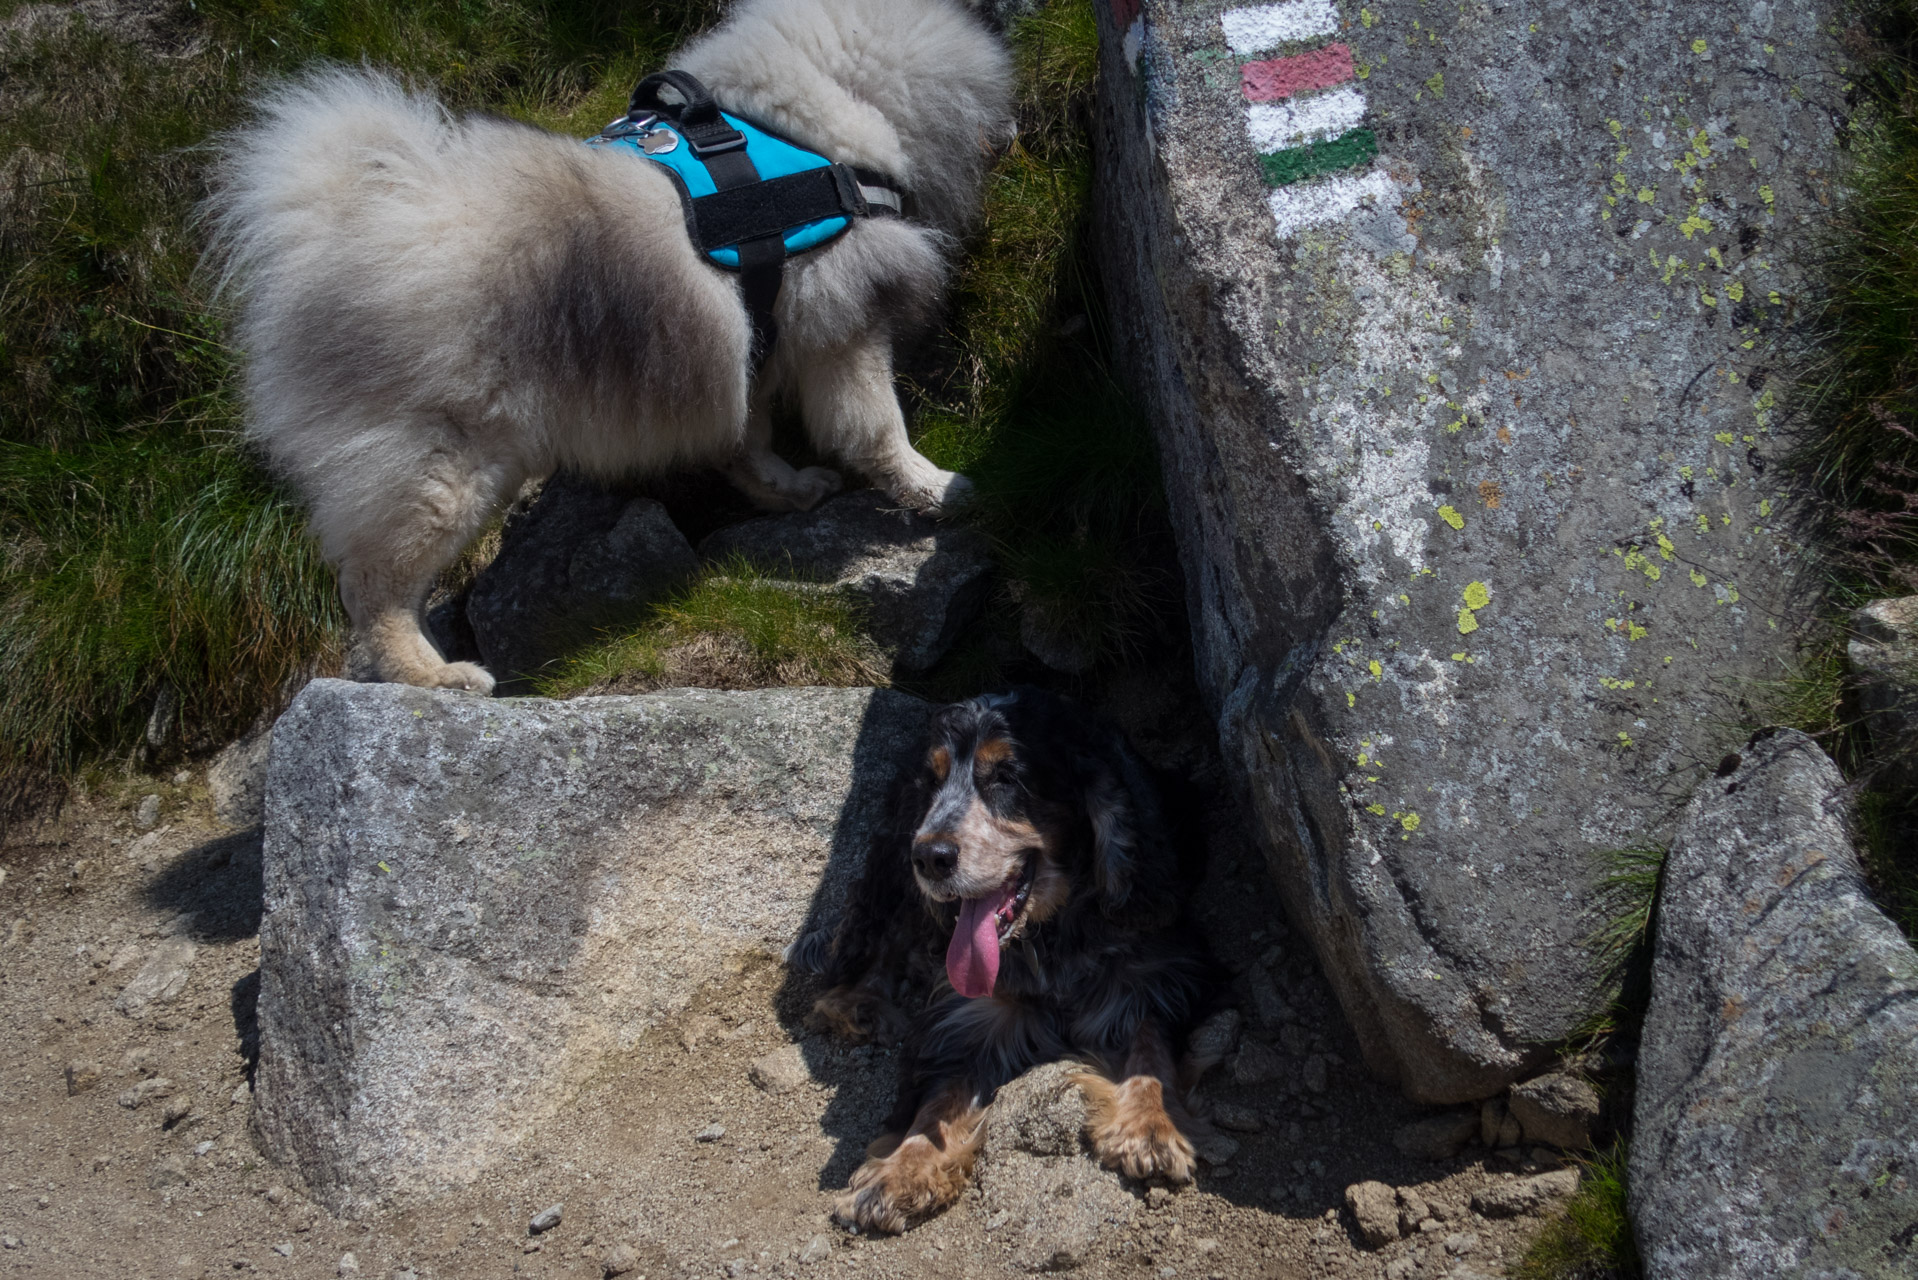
<point>659,142</point>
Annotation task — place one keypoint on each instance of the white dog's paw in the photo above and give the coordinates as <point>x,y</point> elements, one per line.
<point>814,485</point>
<point>934,492</point>
<point>465,677</point>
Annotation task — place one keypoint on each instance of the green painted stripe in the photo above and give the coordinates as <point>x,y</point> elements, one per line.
<point>1348,150</point>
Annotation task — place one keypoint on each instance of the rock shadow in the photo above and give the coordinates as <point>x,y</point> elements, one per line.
<point>862,1076</point>
<point>218,888</point>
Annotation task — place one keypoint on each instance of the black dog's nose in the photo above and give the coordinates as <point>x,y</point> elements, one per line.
<point>935,859</point>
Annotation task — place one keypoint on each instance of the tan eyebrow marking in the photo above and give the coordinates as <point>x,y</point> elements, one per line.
<point>992,751</point>
<point>941,762</point>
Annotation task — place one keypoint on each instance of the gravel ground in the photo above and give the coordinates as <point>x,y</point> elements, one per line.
<point>128,968</point>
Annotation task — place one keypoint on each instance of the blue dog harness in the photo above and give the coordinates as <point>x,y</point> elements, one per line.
<point>751,197</point>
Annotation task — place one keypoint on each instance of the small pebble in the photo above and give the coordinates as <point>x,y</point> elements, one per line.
<point>203,1148</point>
<point>349,1265</point>
<point>276,1194</point>
<point>284,1249</point>
<point>817,1249</point>
<point>620,1259</point>
<point>711,1133</point>
<point>1158,1197</point>
<point>998,1219</point>
<point>148,813</point>
<point>1461,1243</point>
<point>183,777</point>
<point>546,1219</point>
<point>82,1076</point>
<point>9,1242</point>
<point>177,1109</point>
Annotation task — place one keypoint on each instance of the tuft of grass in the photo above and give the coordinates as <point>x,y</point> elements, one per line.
<point>732,628</point>
<point>1591,1238</point>
<point>1626,903</point>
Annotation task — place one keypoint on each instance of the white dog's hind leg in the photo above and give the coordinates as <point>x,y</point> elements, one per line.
<point>850,408</point>
<point>768,479</point>
<point>392,555</point>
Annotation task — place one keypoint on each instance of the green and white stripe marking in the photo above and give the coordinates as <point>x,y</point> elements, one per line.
<point>1305,117</point>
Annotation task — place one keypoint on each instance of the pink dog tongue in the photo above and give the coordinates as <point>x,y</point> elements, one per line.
<point>972,959</point>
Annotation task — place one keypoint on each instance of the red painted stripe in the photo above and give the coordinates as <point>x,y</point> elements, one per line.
<point>1278,78</point>
<point>1124,11</point>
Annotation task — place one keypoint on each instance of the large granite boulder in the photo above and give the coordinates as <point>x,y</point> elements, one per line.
<point>470,902</point>
<point>1773,1127</point>
<point>918,580</point>
<point>1455,326</point>
<point>1774,1132</point>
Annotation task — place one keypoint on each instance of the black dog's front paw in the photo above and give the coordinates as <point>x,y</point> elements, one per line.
<point>890,1194</point>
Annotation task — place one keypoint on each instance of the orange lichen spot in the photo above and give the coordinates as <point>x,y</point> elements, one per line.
<point>1489,493</point>
<point>1504,435</point>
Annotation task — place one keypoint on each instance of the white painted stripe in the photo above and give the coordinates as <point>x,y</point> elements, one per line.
<point>1274,126</point>
<point>1313,204</point>
<point>1267,26</point>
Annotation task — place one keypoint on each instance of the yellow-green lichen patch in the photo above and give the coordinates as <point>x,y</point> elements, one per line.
<point>1410,821</point>
<point>1450,515</point>
<point>1477,595</point>
<point>1467,624</point>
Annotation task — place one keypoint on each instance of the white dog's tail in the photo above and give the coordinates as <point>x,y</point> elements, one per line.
<point>298,174</point>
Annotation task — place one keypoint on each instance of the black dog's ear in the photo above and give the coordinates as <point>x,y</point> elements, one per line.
<point>1129,842</point>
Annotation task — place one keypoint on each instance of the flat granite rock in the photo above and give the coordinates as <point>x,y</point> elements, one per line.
<point>470,902</point>
<point>1457,328</point>
<point>1774,1132</point>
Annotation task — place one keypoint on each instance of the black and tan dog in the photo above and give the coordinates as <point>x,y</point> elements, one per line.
<point>1031,848</point>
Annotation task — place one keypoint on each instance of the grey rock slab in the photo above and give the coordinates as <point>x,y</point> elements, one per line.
<point>577,559</point>
<point>236,779</point>
<point>1374,1207</point>
<point>1052,1202</point>
<point>1556,1108</point>
<point>1437,1137</point>
<point>920,580</point>
<point>1884,666</point>
<point>1773,1128</point>
<point>1042,1113</point>
<point>1520,1196</point>
<point>1475,475</point>
<point>781,1071</point>
<point>162,978</point>
<point>463,890</point>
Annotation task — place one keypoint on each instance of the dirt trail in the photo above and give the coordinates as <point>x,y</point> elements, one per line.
<point>95,916</point>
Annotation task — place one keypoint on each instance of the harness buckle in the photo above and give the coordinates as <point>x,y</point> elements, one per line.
<point>715,142</point>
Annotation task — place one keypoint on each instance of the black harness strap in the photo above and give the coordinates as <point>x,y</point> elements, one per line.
<point>770,206</point>
<point>722,149</point>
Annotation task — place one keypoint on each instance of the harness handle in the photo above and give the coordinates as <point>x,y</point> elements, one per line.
<point>696,106</point>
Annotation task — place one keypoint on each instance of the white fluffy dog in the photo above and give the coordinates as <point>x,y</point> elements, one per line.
<point>434,310</point>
